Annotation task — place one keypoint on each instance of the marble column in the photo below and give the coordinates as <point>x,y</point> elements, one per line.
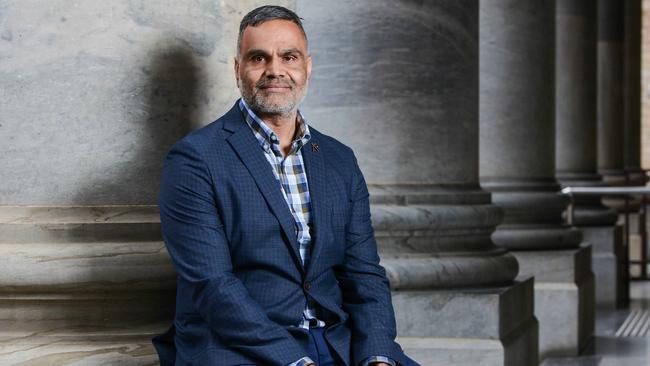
<point>398,82</point>
<point>517,164</point>
<point>615,114</point>
<point>632,93</point>
<point>93,94</point>
<point>632,122</point>
<point>610,91</point>
<point>575,137</point>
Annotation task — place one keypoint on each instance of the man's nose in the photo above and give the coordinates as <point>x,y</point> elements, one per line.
<point>274,67</point>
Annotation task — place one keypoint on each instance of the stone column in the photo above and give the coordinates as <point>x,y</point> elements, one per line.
<point>398,82</point>
<point>632,121</point>
<point>616,115</point>
<point>575,137</point>
<point>517,164</point>
<point>632,93</point>
<point>610,91</point>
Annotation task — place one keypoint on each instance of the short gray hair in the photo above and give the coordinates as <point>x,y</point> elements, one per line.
<point>264,14</point>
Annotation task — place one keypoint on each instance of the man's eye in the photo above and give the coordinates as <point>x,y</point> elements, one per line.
<point>257,58</point>
<point>290,58</point>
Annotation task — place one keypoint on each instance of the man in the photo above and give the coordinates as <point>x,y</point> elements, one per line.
<point>268,224</point>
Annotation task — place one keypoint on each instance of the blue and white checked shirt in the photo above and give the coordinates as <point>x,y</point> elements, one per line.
<point>290,173</point>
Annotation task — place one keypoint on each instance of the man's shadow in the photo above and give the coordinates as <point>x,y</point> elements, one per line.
<point>163,108</point>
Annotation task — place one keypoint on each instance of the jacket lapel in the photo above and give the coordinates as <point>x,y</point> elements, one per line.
<point>248,149</point>
<point>312,156</point>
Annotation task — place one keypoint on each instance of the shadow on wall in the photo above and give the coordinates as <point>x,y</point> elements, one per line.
<point>162,105</point>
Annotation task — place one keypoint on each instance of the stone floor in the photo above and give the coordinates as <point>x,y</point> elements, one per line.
<point>618,342</point>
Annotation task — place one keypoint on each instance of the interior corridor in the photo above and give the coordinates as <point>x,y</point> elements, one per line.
<point>622,336</point>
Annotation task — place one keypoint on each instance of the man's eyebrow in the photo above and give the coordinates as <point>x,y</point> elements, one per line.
<point>290,51</point>
<point>260,52</point>
<point>256,52</point>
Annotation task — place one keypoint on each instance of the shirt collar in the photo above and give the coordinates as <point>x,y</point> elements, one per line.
<point>265,135</point>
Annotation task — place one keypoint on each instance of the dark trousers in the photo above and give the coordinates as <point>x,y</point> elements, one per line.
<point>319,351</point>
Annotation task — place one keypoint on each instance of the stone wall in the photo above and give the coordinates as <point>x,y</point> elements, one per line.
<point>94,93</point>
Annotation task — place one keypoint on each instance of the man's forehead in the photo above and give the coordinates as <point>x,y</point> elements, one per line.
<point>274,33</point>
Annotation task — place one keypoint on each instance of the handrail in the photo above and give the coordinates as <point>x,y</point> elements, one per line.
<point>608,191</point>
<point>627,192</point>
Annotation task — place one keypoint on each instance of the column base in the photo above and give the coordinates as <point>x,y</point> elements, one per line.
<point>564,298</point>
<point>634,254</point>
<point>607,263</point>
<point>486,326</point>
<point>635,222</point>
<point>618,203</point>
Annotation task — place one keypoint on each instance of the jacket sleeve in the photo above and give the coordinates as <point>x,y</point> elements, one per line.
<point>363,282</point>
<point>194,237</point>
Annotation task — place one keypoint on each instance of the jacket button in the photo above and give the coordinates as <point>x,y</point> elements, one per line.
<point>307,286</point>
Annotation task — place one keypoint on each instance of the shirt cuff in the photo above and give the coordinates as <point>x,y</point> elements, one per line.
<point>302,362</point>
<point>372,359</point>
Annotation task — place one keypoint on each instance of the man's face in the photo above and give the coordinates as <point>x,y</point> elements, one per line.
<point>273,67</point>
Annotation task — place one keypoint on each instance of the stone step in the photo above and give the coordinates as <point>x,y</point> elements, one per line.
<point>88,284</point>
<point>53,350</point>
<point>77,337</point>
<point>83,282</point>
<point>79,223</point>
<point>85,266</point>
<point>17,330</point>
<point>78,311</point>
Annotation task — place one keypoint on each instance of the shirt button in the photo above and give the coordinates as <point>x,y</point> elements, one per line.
<point>307,286</point>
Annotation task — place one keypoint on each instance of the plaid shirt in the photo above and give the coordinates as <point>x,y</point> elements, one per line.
<point>289,171</point>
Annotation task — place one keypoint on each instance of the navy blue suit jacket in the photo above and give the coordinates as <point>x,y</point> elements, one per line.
<point>241,288</point>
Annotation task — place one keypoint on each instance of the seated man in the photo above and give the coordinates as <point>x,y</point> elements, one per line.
<point>268,224</point>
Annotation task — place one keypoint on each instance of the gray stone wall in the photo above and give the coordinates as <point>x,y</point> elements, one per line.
<point>95,92</point>
<point>393,97</point>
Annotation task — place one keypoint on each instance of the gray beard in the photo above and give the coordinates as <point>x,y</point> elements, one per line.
<point>258,105</point>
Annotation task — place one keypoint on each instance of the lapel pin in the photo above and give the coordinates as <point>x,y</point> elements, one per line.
<point>314,147</point>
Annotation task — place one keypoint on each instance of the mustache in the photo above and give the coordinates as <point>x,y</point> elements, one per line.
<point>275,82</point>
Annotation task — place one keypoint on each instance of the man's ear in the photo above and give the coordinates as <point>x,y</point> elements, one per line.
<point>237,71</point>
<point>308,67</point>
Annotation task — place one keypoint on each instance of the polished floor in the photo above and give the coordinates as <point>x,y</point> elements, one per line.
<point>622,336</point>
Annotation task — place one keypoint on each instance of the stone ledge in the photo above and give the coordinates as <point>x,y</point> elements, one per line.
<point>38,351</point>
<point>79,214</point>
<point>61,224</point>
<point>78,313</point>
<point>39,331</point>
<point>91,265</point>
